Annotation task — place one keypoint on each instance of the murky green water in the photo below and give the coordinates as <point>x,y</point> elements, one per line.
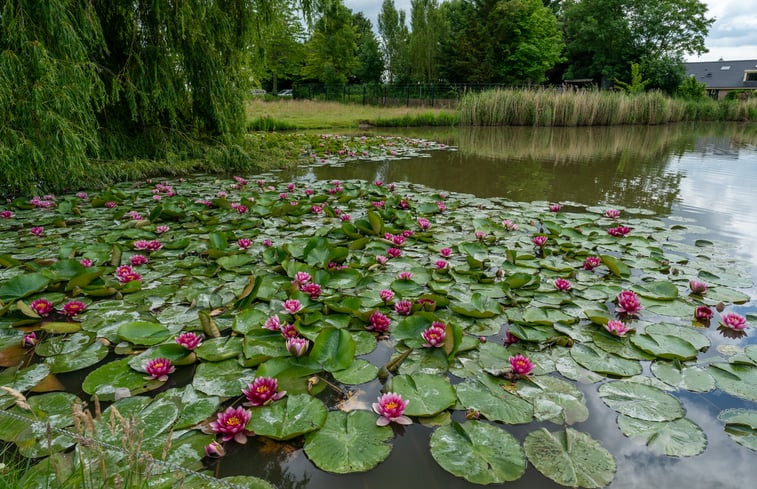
<point>703,173</point>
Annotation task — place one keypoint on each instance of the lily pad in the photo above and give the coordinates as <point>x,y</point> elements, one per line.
<point>105,380</point>
<point>143,333</point>
<point>427,394</point>
<point>22,286</point>
<point>348,442</point>
<point>288,418</point>
<point>741,426</point>
<point>739,380</point>
<point>570,458</point>
<point>223,379</point>
<point>334,349</point>
<point>641,401</point>
<point>359,372</point>
<point>596,360</point>
<point>677,438</point>
<point>478,452</point>
<point>494,402</point>
<point>690,378</point>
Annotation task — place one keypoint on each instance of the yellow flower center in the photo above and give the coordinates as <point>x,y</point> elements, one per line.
<point>233,421</point>
<point>390,405</point>
<point>157,365</point>
<point>262,389</point>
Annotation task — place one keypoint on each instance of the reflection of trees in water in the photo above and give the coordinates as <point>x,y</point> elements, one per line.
<point>625,165</point>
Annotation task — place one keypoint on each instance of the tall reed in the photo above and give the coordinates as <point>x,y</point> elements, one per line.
<point>549,107</point>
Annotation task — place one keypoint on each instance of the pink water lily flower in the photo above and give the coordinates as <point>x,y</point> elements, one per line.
<point>381,259</point>
<point>440,264</point>
<point>313,290</point>
<point>72,308</point>
<point>289,331</point>
<point>405,275</point>
<point>617,328</point>
<point>703,313</point>
<point>301,278</point>
<point>111,205</point>
<point>390,408</point>
<point>510,338</point>
<point>262,391</point>
<point>399,240</point>
<point>394,252</point>
<point>555,207</point>
<point>6,214</point>
<point>292,306</point>
<point>539,240</point>
<point>345,217</point>
<point>267,243</point>
<point>441,206</point>
<point>445,252</point>
<point>86,262</point>
<point>424,223</point>
<point>231,424</point>
<point>273,323</point>
<point>521,365</point>
<point>189,340</point>
<point>42,307</point>
<point>733,321</point>
<point>697,287</point>
<point>562,284</point>
<point>378,322</point>
<point>136,260</point>
<point>29,340</point>
<point>403,308</point>
<point>509,225</point>
<point>386,295</point>
<point>612,213</point>
<point>297,346</point>
<point>480,235</point>
<point>244,243</point>
<point>159,369</point>
<point>214,450</point>
<point>125,274</point>
<point>434,335</point>
<point>628,303</point>
<point>591,262</point>
<point>37,230</point>
<point>619,231</point>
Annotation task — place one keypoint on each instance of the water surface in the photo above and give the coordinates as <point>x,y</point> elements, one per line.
<point>705,173</point>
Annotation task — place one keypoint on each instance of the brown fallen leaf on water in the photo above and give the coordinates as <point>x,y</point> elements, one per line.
<point>272,447</point>
<point>49,384</point>
<point>353,402</point>
<point>12,356</point>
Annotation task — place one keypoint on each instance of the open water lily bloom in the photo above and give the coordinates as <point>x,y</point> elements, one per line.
<point>733,321</point>
<point>231,424</point>
<point>628,303</point>
<point>390,408</point>
<point>159,369</point>
<point>434,335</point>
<point>292,306</point>
<point>521,365</point>
<point>42,307</point>
<point>189,340</point>
<point>617,328</point>
<point>262,391</point>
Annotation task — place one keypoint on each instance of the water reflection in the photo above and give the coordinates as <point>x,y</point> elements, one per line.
<point>705,174</point>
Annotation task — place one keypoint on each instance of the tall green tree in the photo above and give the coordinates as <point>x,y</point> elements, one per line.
<point>604,37</point>
<point>394,42</point>
<point>424,39</point>
<point>370,61</point>
<point>278,52</point>
<point>331,50</point>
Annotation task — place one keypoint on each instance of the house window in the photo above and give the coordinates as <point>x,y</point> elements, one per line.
<point>725,68</point>
<point>750,75</point>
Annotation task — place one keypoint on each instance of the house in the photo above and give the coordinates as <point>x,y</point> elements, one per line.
<point>722,77</point>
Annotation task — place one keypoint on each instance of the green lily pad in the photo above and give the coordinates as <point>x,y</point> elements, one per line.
<point>495,403</point>
<point>21,380</point>
<point>693,379</point>
<point>739,380</point>
<point>334,349</point>
<point>107,379</point>
<point>143,333</point>
<point>348,442</point>
<point>359,372</point>
<point>288,418</point>
<point>641,401</point>
<point>22,286</point>
<point>555,400</point>
<point>223,379</point>
<point>596,360</point>
<point>570,458</point>
<point>32,440</point>
<point>427,394</point>
<point>677,438</point>
<point>77,360</point>
<point>741,426</point>
<point>478,452</point>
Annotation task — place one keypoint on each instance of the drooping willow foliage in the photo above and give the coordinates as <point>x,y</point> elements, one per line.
<point>85,82</point>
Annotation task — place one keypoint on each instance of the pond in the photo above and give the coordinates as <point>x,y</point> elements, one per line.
<point>703,173</point>
<point>224,265</point>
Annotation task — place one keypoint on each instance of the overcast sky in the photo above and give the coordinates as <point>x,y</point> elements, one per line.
<point>733,36</point>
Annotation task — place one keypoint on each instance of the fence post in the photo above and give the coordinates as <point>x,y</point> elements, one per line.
<point>363,93</point>
<point>407,95</point>
<point>433,93</point>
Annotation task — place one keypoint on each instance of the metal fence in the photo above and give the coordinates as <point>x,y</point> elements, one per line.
<point>393,94</point>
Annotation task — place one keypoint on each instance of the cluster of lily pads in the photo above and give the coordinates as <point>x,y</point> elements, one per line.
<point>214,310</point>
<point>322,148</point>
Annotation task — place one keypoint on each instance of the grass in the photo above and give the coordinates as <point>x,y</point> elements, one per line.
<point>593,108</point>
<point>307,114</point>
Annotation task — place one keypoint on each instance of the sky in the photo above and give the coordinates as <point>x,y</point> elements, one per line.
<point>733,36</point>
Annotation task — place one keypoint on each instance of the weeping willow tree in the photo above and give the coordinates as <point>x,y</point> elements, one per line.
<point>83,83</point>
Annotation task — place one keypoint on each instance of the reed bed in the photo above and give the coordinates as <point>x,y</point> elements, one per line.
<point>550,108</point>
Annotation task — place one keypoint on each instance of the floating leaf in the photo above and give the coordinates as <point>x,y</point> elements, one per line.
<point>290,417</point>
<point>359,372</point>
<point>596,360</point>
<point>690,378</point>
<point>494,402</point>
<point>739,380</point>
<point>741,426</point>
<point>22,286</point>
<point>143,333</point>
<point>478,452</point>
<point>570,458</point>
<point>427,394</point>
<point>678,438</point>
<point>641,401</point>
<point>348,442</point>
<point>334,349</point>
<point>105,380</point>
<point>224,379</point>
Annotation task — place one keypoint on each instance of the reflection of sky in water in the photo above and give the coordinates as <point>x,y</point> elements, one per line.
<point>716,189</point>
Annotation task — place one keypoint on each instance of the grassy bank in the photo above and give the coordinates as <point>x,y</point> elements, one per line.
<point>307,114</point>
<point>589,108</point>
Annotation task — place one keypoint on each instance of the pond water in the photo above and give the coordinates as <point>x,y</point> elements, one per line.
<point>703,173</point>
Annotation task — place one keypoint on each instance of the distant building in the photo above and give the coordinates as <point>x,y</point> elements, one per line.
<point>722,77</point>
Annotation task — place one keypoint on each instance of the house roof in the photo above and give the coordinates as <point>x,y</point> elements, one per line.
<point>722,74</point>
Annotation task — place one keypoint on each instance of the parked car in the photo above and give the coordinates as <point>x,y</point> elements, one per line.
<point>286,93</point>
<point>257,92</point>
